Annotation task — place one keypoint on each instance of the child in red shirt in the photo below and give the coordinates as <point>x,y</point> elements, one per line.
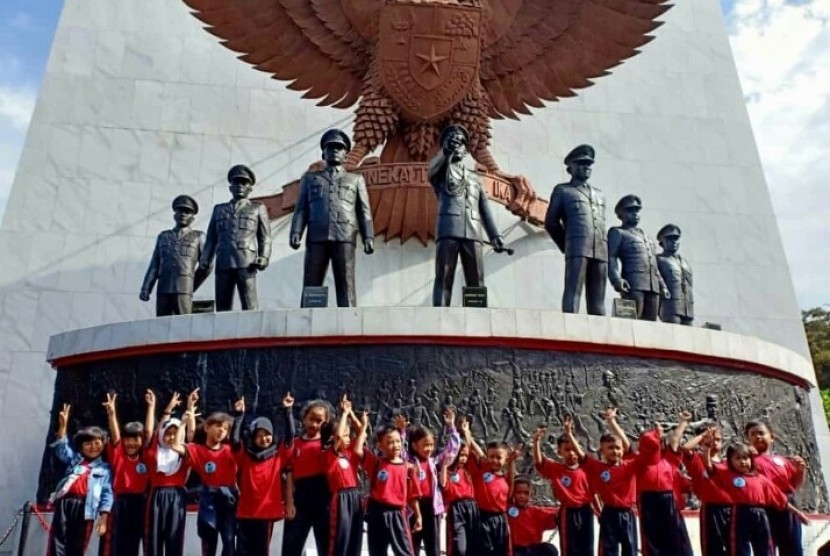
<point>788,475</point>
<point>392,487</point>
<point>259,460</point>
<point>491,491</point>
<point>528,523</point>
<point>307,495</point>
<point>166,504</point>
<point>751,493</point>
<point>130,481</point>
<point>341,464</point>
<point>570,486</point>
<point>462,510</point>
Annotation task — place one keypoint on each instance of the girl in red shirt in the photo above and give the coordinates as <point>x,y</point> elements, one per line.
<point>260,460</point>
<point>462,510</point>
<point>751,493</point>
<point>528,523</point>
<point>716,506</point>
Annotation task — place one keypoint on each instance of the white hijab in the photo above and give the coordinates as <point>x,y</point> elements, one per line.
<point>167,461</point>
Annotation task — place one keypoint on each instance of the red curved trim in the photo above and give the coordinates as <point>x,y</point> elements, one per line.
<point>473,341</point>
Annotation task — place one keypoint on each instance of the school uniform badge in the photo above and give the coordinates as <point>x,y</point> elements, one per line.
<point>210,467</point>
<point>383,475</point>
<point>455,478</point>
<point>513,511</point>
<point>779,461</point>
<point>565,481</point>
<point>489,477</point>
<point>739,482</point>
<point>141,469</point>
<point>343,462</point>
<point>605,476</point>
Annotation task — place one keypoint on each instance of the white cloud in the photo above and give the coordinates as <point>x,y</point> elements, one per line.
<point>22,21</point>
<point>16,106</point>
<point>781,50</point>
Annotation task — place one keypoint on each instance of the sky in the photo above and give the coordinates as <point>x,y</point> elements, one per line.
<point>780,48</point>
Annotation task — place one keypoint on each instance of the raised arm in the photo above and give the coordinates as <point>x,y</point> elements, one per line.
<point>610,416</point>
<point>190,415</point>
<point>450,451</point>
<point>178,444</point>
<point>475,449</point>
<point>112,418</point>
<point>514,454</point>
<point>538,457</point>
<point>568,426</point>
<point>800,470</point>
<point>694,442</point>
<point>679,430</point>
<point>359,445</point>
<point>150,417</point>
<point>239,418</point>
<point>342,423</point>
<point>288,415</point>
<point>402,424</point>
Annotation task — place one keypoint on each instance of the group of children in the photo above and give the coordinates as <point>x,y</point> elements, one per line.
<point>250,480</point>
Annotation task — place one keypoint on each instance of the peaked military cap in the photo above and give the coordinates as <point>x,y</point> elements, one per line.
<point>241,171</point>
<point>335,136</point>
<point>186,202</point>
<point>669,230</point>
<point>582,152</point>
<point>455,127</point>
<point>628,201</point>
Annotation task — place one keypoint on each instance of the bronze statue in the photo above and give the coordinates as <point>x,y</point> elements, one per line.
<point>639,280</point>
<point>575,221</point>
<point>679,307</point>
<point>463,209</point>
<point>414,66</point>
<point>175,262</point>
<point>239,235</point>
<point>334,205</point>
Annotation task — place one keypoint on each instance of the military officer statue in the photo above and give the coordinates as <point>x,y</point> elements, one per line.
<point>334,205</point>
<point>175,262</point>
<point>239,235</point>
<point>576,222</point>
<point>679,308</point>
<point>639,279</point>
<point>463,208</point>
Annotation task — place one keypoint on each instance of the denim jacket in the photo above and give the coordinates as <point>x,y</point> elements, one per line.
<point>449,453</point>
<point>99,492</point>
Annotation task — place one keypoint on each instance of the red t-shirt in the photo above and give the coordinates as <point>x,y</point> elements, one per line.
<point>260,486</point>
<point>341,469</point>
<point>129,473</point>
<point>160,480</point>
<point>570,486</point>
<point>616,484</point>
<point>81,484</point>
<point>780,470</point>
<point>426,482</point>
<point>392,484</point>
<point>528,524</point>
<point>491,490</point>
<point>749,490</point>
<point>216,468</point>
<point>306,458</point>
<point>459,486</point>
<point>707,491</point>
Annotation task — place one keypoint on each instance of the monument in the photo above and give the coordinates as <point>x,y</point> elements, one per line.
<point>146,89</point>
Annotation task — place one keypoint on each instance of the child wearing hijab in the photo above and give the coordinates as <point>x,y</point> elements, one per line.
<point>166,503</point>
<point>260,461</point>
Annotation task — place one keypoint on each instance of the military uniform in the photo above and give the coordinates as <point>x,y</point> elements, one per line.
<point>238,236</point>
<point>463,214</point>
<point>333,206</point>
<point>677,275</point>
<point>174,266</point>
<point>575,221</point>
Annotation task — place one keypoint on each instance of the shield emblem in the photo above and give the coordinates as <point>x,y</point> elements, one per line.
<point>429,56</point>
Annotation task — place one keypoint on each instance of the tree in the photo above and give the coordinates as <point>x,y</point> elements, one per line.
<point>817,327</point>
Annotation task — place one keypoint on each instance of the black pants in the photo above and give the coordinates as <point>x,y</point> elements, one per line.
<point>70,531</point>
<point>494,534</point>
<point>576,531</point>
<point>428,536</point>
<point>463,524</point>
<point>173,304</point>
<point>164,524</point>
<point>241,279</point>
<point>617,532</point>
<point>541,549</point>
<point>341,255</point>
<point>662,526</point>
<point>589,274</point>
<point>447,251</point>
<point>346,526</point>
<point>750,532</point>
<point>217,519</point>
<point>387,528</point>
<point>311,498</point>
<point>125,526</point>
<point>646,303</point>
<point>253,537</point>
<point>714,529</point>
<point>786,531</point>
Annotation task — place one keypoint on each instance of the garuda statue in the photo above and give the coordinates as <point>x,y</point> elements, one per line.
<point>412,67</point>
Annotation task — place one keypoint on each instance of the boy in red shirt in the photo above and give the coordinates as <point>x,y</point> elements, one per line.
<point>462,510</point>
<point>788,475</point>
<point>215,465</point>
<point>260,460</point>
<point>392,488</point>
<point>130,481</point>
<point>570,486</point>
<point>528,523</point>
<point>491,490</point>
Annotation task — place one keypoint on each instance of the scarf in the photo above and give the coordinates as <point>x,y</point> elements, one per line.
<point>167,461</point>
<point>257,453</point>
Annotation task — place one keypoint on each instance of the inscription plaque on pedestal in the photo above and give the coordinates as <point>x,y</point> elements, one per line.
<point>475,296</point>
<point>315,297</point>
<point>625,309</point>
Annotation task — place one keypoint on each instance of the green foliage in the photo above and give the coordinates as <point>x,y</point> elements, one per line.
<point>817,326</point>
<point>825,401</point>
